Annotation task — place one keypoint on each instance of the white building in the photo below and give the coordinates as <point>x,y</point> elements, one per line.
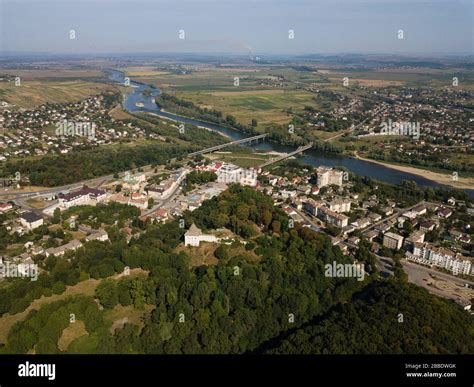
<point>61,250</point>
<point>99,235</point>
<point>194,237</point>
<point>85,196</point>
<point>332,217</point>
<point>340,205</point>
<point>328,176</point>
<point>361,223</point>
<point>392,240</point>
<point>438,256</point>
<point>166,187</point>
<point>136,199</point>
<point>230,173</point>
<point>4,207</point>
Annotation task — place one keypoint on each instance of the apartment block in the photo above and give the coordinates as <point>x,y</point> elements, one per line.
<point>392,240</point>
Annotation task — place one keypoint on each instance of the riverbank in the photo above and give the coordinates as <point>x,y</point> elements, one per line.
<point>199,126</point>
<point>440,178</point>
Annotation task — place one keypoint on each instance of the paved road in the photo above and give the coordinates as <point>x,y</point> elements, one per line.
<point>413,268</point>
<point>163,202</point>
<point>308,219</point>
<point>396,213</point>
<point>455,287</point>
<point>96,182</point>
<point>421,275</point>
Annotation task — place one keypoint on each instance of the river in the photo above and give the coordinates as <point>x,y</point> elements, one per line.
<point>312,157</point>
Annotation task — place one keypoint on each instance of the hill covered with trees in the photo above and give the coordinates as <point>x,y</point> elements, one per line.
<point>272,287</point>
<point>393,317</point>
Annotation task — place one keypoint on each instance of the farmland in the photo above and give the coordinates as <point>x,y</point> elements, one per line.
<point>37,92</point>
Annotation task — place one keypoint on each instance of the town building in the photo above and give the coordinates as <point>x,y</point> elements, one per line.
<point>382,228</point>
<point>445,213</point>
<point>4,207</point>
<point>99,235</point>
<point>374,217</point>
<point>30,220</point>
<point>392,240</point>
<point>84,196</point>
<point>194,236</point>
<point>420,209</point>
<point>159,215</point>
<point>326,215</point>
<point>162,191</point>
<point>415,237</point>
<point>133,182</point>
<point>61,250</point>
<point>230,173</point>
<point>370,235</point>
<point>353,240</point>
<point>427,254</point>
<point>387,210</point>
<point>361,223</point>
<point>140,201</point>
<point>427,225</point>
<point>340,205</point>
<point>311,206</point>
<point>328,176</point>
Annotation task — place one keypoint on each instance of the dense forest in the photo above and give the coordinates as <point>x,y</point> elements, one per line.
<point>391,318</point>
<point>225,310</point>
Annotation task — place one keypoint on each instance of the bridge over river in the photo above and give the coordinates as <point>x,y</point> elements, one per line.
<point>236,142</point>
<point>274,160</point>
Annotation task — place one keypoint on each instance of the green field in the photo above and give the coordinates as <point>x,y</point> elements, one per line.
<point>259,94</point>
<point>37,92</point>
<point>244,159</point>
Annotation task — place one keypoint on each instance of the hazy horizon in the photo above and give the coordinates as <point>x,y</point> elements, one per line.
<point>248,27</point>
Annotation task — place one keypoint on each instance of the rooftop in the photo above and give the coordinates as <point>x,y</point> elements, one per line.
<point>31,217</point>
<point>82,192</point>
<point>193,231</point>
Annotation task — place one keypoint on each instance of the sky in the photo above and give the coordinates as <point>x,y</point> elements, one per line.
<point>243,27</point>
